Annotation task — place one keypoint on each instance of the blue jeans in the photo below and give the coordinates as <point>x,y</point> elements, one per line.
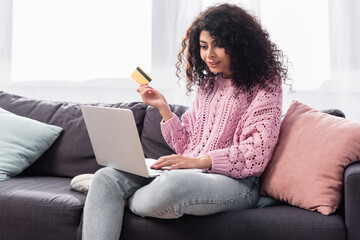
<point>169,195</point>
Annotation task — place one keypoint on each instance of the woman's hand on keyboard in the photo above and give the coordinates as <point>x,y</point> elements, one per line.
<point>181,162</point>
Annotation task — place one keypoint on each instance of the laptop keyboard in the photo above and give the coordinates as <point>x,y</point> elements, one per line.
<point>152,171</point>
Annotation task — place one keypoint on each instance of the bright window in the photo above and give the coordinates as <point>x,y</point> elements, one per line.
<point>77,40</point>
<point>301,30</point>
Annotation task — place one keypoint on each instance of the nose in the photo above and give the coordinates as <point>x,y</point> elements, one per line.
<point>211,52</point>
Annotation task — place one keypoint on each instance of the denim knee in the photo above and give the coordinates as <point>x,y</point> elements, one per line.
<point>176,193</point>
<point>103,176</point>
<point>157,198</point>
<point>116,182</point>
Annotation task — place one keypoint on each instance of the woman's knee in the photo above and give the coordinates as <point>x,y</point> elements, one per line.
<point>112,180</point>
<point>152,206</point>
<point>161,198</point>
<point>103,176</point>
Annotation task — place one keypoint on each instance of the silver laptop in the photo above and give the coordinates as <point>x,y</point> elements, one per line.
<point>115,140</point>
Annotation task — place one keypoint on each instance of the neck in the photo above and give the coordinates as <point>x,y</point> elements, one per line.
<point>226,76</point>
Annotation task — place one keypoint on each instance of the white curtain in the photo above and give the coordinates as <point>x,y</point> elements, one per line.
<point>345,43</point>
<point>331,25</point>
<point>5,40</point>
<point>342,90</point>
<point>170,21</point>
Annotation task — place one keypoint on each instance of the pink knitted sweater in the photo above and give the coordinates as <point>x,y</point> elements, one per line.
<point>238,131</point>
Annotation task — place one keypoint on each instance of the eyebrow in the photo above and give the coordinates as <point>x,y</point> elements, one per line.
<point>202,41</point>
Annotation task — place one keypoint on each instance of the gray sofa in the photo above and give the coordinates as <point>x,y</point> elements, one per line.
<point>39,203</point>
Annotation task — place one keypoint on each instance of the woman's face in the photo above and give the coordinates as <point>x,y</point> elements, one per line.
<point>214,56</point>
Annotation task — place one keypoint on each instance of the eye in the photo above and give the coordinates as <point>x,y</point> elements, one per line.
<point>204,47</point>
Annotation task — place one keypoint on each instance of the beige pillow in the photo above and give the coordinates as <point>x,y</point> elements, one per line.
<point>307,166</point>
<point>81,183</point>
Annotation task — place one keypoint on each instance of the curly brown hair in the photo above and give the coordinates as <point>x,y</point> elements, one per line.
<point>254,59</point>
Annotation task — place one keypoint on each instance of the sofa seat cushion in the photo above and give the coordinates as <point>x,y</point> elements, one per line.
<point>39,208</point>
<point>270,223</point>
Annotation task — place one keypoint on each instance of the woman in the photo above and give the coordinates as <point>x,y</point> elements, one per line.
<point>230,131</point>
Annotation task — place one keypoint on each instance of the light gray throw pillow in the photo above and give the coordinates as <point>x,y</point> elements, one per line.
<point>22,142</point>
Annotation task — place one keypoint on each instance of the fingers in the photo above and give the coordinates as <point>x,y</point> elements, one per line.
<point>144,88</point>
<point>146,93</point>
<point>164,161</point>
<point>173,162</point>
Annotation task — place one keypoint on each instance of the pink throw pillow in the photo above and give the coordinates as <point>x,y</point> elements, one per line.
<point>308,163</point>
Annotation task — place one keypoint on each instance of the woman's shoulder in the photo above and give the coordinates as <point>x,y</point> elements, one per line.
<point>273,85</point>
<point>259,95</point>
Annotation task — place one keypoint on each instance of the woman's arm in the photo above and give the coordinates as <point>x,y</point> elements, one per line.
<point>152,97</point>
<point>254,139</point>
<point>177,132</point>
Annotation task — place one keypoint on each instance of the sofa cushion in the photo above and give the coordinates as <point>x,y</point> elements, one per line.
<point>271,223</point>
<point>153,143</point>
<point>308,163</point>
<point>72,153</point>
<point>22,142</point>
<point>39,208</point>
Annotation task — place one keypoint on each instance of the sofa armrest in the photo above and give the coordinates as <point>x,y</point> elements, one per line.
<point>352,200</point>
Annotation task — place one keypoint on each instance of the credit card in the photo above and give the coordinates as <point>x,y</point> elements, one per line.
<point>140,76</point>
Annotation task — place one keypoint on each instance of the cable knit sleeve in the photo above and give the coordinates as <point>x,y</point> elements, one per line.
<point>254,139</point>
<point>176,132</point>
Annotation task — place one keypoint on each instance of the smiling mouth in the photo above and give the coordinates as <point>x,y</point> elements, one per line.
<point>213,64</point>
